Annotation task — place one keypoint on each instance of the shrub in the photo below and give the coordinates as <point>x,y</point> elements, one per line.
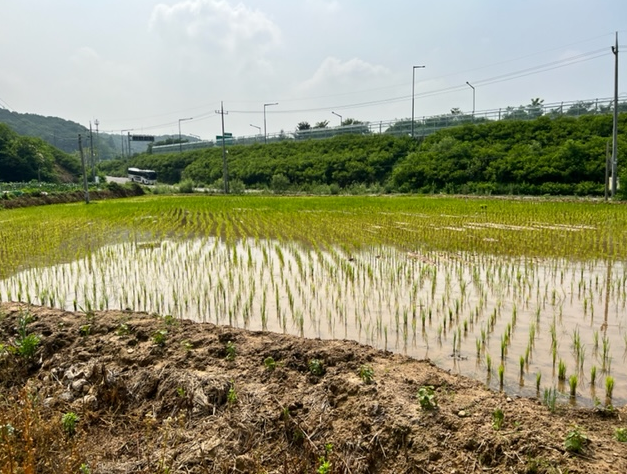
<point>186,186</point>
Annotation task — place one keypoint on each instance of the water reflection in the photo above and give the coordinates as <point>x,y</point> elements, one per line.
<point>468,313</point>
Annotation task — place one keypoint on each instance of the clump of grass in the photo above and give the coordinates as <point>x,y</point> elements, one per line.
<point>316,367</point>
<point>69,421</point>
<point>366,373</point>
<point>426,397</point>
<point>231,396</point>
<point>269,363</point>
<point>575,440</point>
<point>231,350</point>
<point>497,419</point>
<point>621,435</point>
<point>159,337</point>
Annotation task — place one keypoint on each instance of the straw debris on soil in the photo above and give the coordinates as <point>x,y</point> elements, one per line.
<point>153,394</point>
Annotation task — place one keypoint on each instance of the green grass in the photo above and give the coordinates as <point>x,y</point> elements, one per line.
<point>515,227</point>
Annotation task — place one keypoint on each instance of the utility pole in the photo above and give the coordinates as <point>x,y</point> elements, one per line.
<point>91,151</point>
<point>413,81</point>
<point>225,169</point>
<point>615,126</point>
<point>80,149</point>
<point>338,115</point>
<point>96,123</point>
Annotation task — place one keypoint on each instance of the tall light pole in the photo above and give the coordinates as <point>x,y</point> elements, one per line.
<point>265,133</point>
<point>96,123</point>
<point>473,98</point>
<point>180,142</point>
<point>339,117</point>
<point>413,81</point>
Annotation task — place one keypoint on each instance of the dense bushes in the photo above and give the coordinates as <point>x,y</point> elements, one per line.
<point>559,156</point>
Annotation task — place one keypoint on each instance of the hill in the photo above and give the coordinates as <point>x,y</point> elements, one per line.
<point>561,156</point>
<point>27,158</point>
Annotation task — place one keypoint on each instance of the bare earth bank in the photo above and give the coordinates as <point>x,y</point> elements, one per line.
<point>156,395</point>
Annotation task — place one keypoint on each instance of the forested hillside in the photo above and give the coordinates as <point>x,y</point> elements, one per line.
<point>564,156</point>
<point>27,158</point>
<point>60,133</point>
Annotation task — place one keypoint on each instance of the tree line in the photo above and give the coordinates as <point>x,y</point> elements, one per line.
<point>560,156</point>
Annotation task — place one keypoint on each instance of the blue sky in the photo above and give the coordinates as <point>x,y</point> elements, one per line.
<point>144,64</point>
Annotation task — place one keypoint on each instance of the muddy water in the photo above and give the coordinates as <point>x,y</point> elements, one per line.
<point>468,313</point>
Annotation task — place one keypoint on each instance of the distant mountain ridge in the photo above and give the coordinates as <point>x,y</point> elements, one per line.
<point>63,134</point>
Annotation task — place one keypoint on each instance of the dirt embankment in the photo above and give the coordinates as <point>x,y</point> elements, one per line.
<point>156,395</point>
<point>41,199</point>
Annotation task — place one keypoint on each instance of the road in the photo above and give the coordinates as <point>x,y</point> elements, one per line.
<point>115,179</point>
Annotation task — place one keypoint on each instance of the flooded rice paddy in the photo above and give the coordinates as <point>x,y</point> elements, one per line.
<point>520,324</point>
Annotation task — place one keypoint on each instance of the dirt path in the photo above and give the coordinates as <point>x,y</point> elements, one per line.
<point>156,395</point>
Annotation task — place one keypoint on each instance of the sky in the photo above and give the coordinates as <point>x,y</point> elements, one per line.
<point>150,67</point>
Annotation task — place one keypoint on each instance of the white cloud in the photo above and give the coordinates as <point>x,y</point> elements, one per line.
<point>213,27</point>
<point>333,73</point>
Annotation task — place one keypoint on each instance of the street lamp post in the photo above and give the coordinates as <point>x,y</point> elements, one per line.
<point>257,127</point>
<point>180,142</point>
<point>413,81</point>
<point>265,133</point>
<point>339,117</point>
<point>473,98</point>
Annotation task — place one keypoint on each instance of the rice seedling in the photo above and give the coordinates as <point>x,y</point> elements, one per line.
<point>561,371</point>
<point>593,375</point>
<point>609,387</point>
<point>572,382</point>
<point>501,372</point>
<point>538,381</point>
<point>550,399</point>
